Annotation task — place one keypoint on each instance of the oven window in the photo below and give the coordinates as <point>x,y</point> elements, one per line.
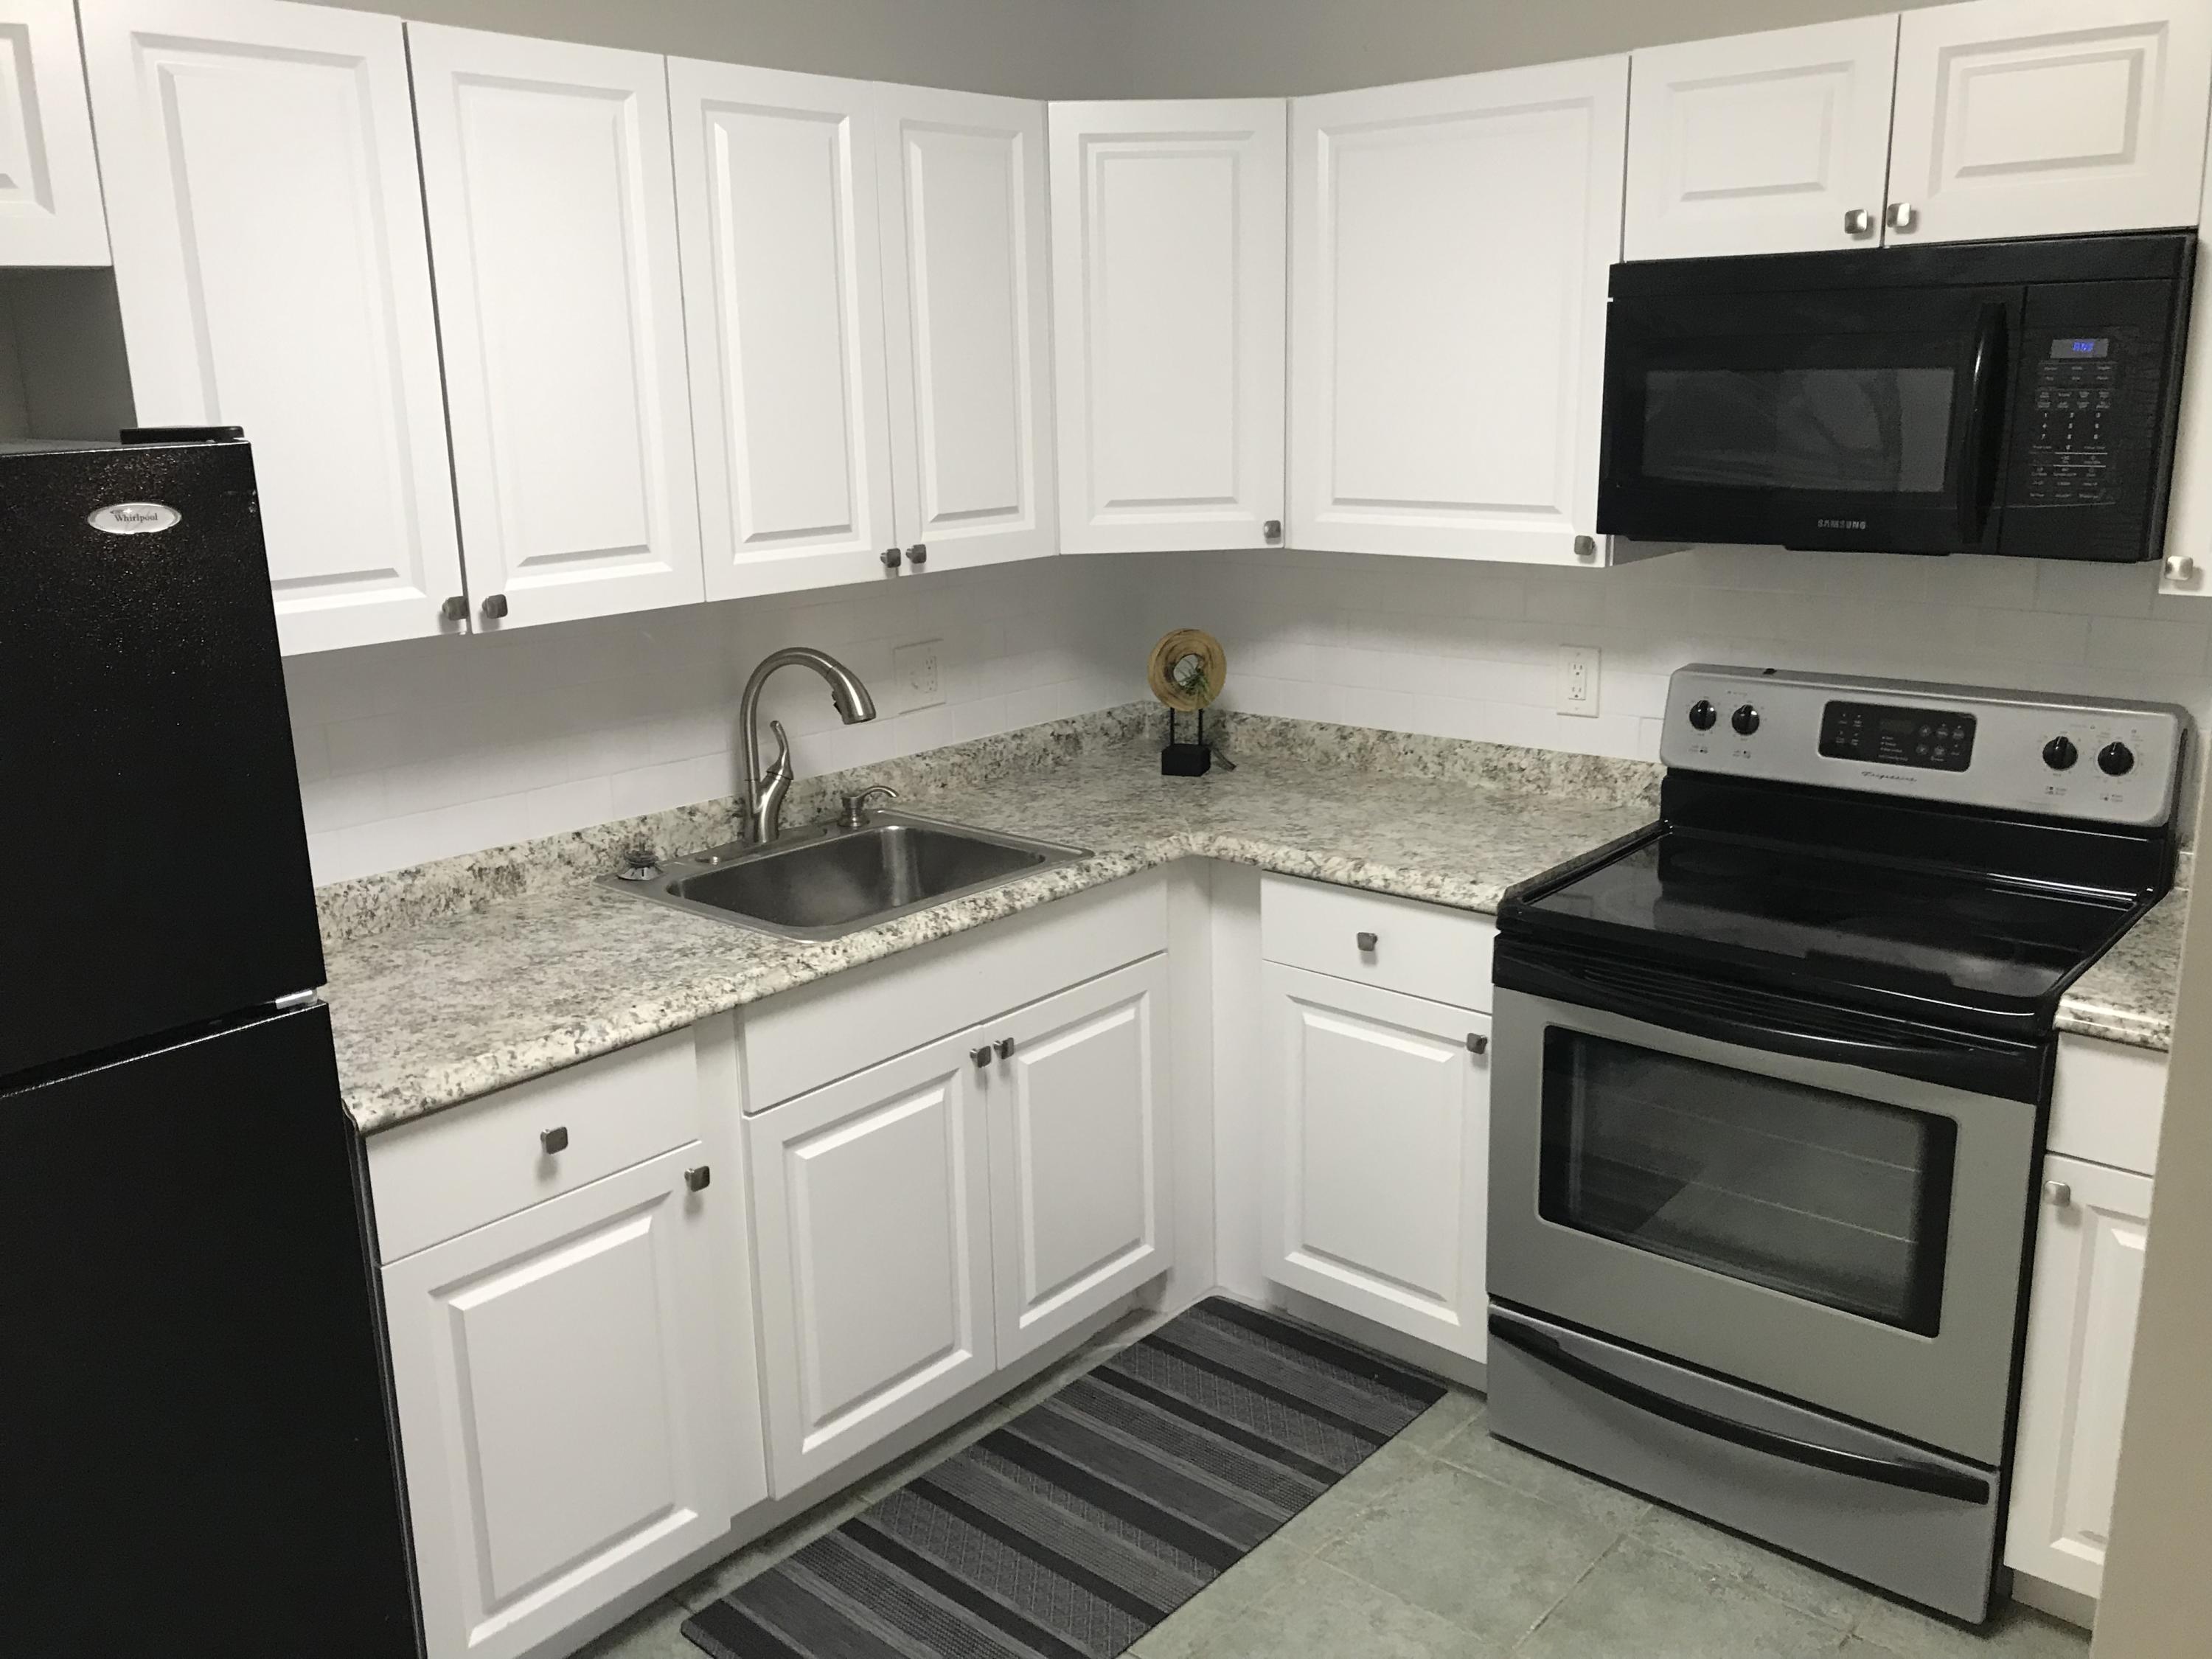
<point>1838,1199</point>
<point>1829,430</point>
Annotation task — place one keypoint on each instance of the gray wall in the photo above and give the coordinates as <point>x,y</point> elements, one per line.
<point>1029,48</point>
<point>1253,48</point>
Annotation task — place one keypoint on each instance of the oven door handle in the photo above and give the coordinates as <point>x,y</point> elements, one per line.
<point>1977,474</point>
<point>1908,1474</point>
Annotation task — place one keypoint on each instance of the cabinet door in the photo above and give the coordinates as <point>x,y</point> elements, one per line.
<point>967,318</point>
<point>2074,1388</point>
<point>567,1430</point>
<point>50,205</point>
<point>2047,117</point>
<point>1080,1202</point>
<point>1450,243</point>
<point>870,1211</point>
<point>547,173</point>
<point>1761,143</point>
<point>272,274</point>
<point>1378,1154</point>
<point>1169,286</point>
<point>776,189</point>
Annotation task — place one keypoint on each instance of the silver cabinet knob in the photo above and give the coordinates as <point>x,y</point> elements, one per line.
<point>2057,1193</point>
<point>891,557</point>
<point>918,555</point>
<point>455,609</point>
<point>554,1139</point>
<point>1273,530</point>
<point>2181,568</point>
<point>1005,1048</point>
<point>1477,1043</point>
<point>982,1057</point>
<point>1366,942</point>
<point>495,606</point>
<point>698,1177</point>
<point>1903,216</point>
<point>1858,223</point>
<point>1586,547</point>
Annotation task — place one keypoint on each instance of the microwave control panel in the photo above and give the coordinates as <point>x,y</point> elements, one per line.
<point>2070,455</point>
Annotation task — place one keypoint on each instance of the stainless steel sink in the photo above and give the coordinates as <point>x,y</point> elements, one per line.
<point>823,883</point>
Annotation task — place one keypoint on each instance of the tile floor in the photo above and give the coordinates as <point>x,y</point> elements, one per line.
<point>1448,1545</point>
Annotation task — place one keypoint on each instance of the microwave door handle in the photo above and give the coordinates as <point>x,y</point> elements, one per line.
<point>1976,476</point>
<point>1909,1473</point>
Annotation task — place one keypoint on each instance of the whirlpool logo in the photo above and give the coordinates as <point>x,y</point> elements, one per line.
<point>134,518</point>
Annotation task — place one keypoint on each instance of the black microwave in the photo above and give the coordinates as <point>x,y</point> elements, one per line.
<point>2014,398</point>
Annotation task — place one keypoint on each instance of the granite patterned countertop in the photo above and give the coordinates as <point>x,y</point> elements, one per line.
<point>541,968</point>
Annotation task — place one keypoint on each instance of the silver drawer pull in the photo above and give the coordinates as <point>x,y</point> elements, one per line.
<point>1005,1048</point>
<point>698,1177</point>
<point>1477,1043</point>
<point>554,1139</point>
<point>982,1057</point>
<point>2057,1193</point>
<point>1366,942</point>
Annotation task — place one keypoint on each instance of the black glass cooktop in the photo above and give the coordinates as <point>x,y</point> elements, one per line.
<point>1823,915</point>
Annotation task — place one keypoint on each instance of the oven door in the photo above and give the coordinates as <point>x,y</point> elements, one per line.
<point>1849,419</point>
<point>1838,1234</point>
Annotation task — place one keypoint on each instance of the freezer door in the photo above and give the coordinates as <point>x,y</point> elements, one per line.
<point>149,807</point>
<point>198,1452</point>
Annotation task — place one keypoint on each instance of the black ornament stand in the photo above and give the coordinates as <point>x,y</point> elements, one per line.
<point>1186,759</point>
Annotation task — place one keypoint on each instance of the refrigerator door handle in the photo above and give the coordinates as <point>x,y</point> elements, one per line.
<point>1908,1474</point>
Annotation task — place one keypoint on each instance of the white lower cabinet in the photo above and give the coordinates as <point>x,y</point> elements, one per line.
<point>872,1214</point>
<point>1079,1152</point>
<point>2074,1388</point>
<point>565,1415</point>
<point>1378,1155</point>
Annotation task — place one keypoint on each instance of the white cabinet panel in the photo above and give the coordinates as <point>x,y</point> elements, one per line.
<point>566,1425</point>
<point>1450,243</point>
<point>547,173</point>
<point>272,274</point>
<point>775,181</point>
<point>2047,117</point>
<point>966,254</point>
<point>2074,1386</point>
<point>1169,286</point>
<point>1761,143</point>
<point>1378,1154</point>
<point>50,205</point>
<point>872,1212</point>
<point>1079,1173</point>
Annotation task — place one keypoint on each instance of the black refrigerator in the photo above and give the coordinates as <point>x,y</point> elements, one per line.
<point>197,1451</point>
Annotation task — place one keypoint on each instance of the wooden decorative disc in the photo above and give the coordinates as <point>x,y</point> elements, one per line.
<point>1189,667</point>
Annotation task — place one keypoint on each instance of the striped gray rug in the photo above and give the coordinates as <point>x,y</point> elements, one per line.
<point>1088,1519</point>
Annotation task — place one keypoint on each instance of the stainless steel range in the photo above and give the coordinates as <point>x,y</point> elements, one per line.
<point>1769,1102</point>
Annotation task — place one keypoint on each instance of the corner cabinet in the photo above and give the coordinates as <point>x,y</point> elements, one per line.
<point>549,188</point>
<point>50,212</point>
<point>1451,246</point>
<point>272,273</point>
<point>1168,283</point>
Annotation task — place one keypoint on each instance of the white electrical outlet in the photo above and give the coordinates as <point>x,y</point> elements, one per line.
<point>914,674</point>
<point>1579,679</point>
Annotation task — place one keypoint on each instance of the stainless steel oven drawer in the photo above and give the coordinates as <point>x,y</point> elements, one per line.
<point>1912,1522</point>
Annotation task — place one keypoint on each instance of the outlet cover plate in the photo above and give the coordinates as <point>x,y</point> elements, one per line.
<point>918,674</point>
<point>1578,679</point>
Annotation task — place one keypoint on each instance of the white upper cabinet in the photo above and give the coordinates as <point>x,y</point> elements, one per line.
<point>2049,118</point>
<point>1761,143</point>
<point>1450,242</point>
<point>50,206</point>
<point>547,174</point>
<point>1169,285</point>
<point>271,271</point>
<point>966,253</point>
<point>775,184</point>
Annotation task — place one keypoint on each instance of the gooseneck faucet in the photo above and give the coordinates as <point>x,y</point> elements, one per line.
<point>763,792</point>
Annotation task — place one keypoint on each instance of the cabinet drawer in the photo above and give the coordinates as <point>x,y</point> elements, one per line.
<point>1421,949</point>
<point>2106,1104</point>
<point>437,1179</point>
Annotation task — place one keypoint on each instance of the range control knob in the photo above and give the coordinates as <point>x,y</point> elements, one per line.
<point>1745,720</point>
<point>2116,760</point>
<point>2060,753</point>
<point>1703,714</point>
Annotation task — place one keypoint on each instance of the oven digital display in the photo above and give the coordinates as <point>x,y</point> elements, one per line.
<point>1936,739</point>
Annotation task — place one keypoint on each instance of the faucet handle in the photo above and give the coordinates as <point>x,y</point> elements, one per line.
<point>855,815</point>
<point>781,764</point>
